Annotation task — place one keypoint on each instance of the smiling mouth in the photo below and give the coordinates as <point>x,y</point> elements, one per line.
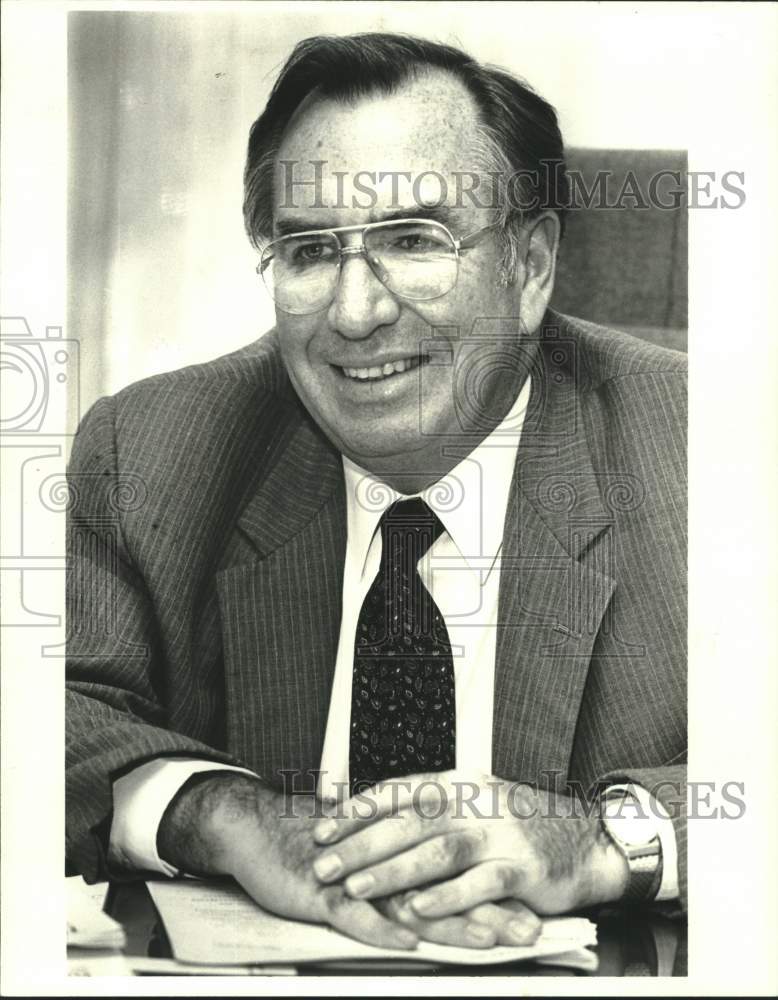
<point>388,370</point>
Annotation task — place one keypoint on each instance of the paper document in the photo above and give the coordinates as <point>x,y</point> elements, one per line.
<point>219,924</point>
<point>88,926</point>
<point>90,963</point>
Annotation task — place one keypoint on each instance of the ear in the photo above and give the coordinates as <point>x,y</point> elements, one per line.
<point>541,242</point>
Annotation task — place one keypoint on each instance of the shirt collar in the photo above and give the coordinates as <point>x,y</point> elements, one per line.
<point>470,500</point>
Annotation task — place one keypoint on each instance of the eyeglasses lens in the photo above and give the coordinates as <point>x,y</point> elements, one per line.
<point>419,259</point>
<point>414,260</point>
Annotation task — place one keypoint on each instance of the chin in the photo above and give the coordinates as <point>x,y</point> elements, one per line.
<point>391,446</point>
<point>365,451</point>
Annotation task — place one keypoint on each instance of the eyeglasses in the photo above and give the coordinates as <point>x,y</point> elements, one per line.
<point>416,259</point>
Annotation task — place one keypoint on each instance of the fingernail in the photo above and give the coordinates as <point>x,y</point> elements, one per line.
<point>480,933</point>
<point>405,915</point>
<point>360,885</point>
<point>422,904</point>
<point>522,931</point>
<point>328,866</point>
<point>325,830</point>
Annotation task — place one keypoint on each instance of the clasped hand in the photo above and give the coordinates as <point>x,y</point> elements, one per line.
<point>438,857</point>
<point>467,861</point>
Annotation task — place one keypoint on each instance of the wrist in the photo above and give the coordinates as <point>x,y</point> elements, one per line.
<point>606,872</point>
<point>194,833</point>
<point>581,856</point>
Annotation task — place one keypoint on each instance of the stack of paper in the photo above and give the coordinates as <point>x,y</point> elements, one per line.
<point>221,925</point>
<point>88,926</point>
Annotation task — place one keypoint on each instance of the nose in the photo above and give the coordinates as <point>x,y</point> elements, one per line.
<point>361,303</point>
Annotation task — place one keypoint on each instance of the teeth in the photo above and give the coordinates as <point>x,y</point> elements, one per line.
<point>384,371</point>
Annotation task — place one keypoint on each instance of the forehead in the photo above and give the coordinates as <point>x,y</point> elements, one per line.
<point>427,124</point>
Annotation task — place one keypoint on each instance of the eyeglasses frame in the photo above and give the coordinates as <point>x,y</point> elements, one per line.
<point>464,243</point>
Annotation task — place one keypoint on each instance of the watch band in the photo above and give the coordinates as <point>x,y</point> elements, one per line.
<point>645,873</point>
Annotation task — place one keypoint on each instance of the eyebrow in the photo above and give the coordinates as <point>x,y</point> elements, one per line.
<point>437,213</point>
<point>292,224</point>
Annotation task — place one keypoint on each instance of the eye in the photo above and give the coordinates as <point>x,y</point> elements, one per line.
<point>311,253</point>
<point>416,241</point>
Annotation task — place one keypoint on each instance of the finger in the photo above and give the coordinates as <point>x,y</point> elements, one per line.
<point>458,931</point>
<point>483,883</point>
<point>362,921</point>
<point>422,791</point>
<point>382,840</point>
<point>437,858</point>
<point>512,923</point>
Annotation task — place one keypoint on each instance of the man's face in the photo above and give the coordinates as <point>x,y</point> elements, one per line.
<point>428,125</point>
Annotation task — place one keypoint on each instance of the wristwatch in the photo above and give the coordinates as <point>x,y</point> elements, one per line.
<point>634,829</point>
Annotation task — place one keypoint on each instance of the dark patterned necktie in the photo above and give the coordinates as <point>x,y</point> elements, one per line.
<point>403,710</point>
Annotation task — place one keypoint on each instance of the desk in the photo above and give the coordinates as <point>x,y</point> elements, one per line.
<point>629,943</point>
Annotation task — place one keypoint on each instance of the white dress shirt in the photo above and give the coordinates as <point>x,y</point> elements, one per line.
<point>461,570</point>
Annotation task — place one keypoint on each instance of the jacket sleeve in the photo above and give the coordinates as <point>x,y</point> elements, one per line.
<point>115,704</point>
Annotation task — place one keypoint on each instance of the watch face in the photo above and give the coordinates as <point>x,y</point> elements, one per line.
<point>629,822</point>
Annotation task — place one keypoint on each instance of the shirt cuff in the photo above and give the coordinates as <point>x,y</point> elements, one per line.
<point>651,806</point>
<point>140,798</point>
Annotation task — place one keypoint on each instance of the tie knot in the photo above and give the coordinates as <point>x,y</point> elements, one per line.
<point>409,526</point>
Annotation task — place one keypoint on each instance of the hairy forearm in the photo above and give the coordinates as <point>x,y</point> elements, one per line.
<point>190,835</point>
<point>225,823</point>
<point>566,832</point>
<point>556,824</point>
<point>576,847</point>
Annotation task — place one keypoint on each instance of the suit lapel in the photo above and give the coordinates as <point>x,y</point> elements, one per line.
<point>554,585</point>
<point>281,609</point>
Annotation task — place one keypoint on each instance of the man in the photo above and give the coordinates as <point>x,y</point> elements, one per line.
<point>426,537</point>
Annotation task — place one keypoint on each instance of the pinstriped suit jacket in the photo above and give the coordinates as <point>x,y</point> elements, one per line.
<point>207,540</point>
